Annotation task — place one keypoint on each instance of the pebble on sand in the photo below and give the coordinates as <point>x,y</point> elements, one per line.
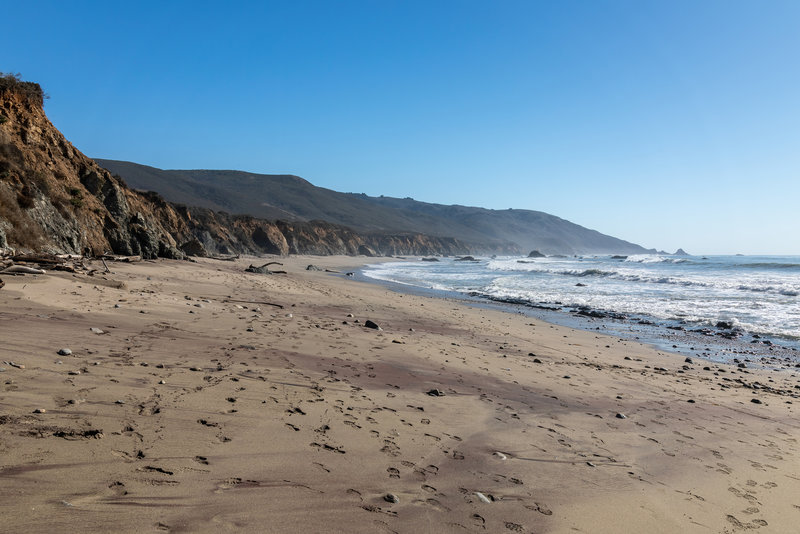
<point>755,401</point>
<point>392,498</point>
<point>621,416</point>
<point>64,352</point>
<point>96,330</point>
<point>435,393</point>
<point>373,325</point>
<point>39,410</point>
<point>482,497</point>
<point>500,455</point>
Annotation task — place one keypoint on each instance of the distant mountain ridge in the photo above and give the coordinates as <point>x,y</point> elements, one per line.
<point>292,198</point>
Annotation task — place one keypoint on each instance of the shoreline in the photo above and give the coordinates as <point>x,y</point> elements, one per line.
<point>711,344</point>
<point>194,410</point>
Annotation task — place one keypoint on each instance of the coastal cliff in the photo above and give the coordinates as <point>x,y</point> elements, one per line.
<point>55,199</point>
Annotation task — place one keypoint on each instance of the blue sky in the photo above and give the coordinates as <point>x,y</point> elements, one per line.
<point>669,124</point>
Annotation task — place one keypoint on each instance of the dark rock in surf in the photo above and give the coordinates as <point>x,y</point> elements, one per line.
<point>536,254</point>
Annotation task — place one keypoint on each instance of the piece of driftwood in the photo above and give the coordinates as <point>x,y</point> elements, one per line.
<point>21,269</point>
<point>126,259</point>
<point>49,259</point>
<point>264,269</point>
<point>224,258</point>
<point>255,302</point>
<point>105,265</point>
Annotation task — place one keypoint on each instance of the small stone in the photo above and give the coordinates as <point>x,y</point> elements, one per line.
<point>373,325</point>
<point>688,360</point>
<point>482,497</point>
<point>755,401</point>
<point>116,305</point>
<point>289,315</point>
<point>435,393</point>
<point>119,402</point>
<point>250,329</point>
<point>350,315</point>
<point>621,416</point>
<point>96,331</point>
<point>64,352</point>
<point>691,401</point>
<point>500,455</point>
<point>537,360</point>
<point>39,410</point>
<point>392,498</point>
<point>590,464</point>
<point>161,382</point>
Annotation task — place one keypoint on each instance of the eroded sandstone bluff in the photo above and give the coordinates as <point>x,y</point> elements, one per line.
<point>55,199</point>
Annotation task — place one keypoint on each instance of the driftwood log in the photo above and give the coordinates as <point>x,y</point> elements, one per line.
<point>264,269</point>
<point>21,269</point>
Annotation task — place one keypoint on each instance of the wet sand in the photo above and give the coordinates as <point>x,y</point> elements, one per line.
<point>201,407</point>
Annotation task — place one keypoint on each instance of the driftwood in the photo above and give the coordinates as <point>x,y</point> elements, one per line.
<point>38,258</point>
<point>21,269</point>
<point>105,265</point>
<point>264,269</point>
<point>126,259</point>
<point>255,302</point>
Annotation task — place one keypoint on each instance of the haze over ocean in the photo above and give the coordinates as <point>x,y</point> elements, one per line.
<point>667,124</point>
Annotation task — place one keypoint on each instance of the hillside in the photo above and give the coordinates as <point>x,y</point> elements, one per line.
<point>55,199</point>
<point>293,198</point>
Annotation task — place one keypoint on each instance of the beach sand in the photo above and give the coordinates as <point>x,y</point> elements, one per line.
<point>201,407</point>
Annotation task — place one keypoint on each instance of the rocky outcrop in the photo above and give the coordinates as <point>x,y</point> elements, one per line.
<point>55,199</point>
<point>536,254</point>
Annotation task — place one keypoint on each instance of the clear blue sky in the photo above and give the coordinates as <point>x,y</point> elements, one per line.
<point>669,124</point>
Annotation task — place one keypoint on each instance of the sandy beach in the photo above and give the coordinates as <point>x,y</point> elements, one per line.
<point>197,397</point>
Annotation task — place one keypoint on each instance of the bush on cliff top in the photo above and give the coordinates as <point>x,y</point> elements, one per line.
<point>10,82</point>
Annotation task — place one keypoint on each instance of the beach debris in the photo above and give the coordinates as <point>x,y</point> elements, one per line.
<point>39,410</point>
<point>756,401</point>
<point>351,274</point>
<point>371,324</point>
<point>483,498</point>
<point>590,464</point>
<point>289,315</point>
<point>688,360</point>
<point>264,269</point>
<point>621,416</point>
<point>64,352</point>
<point>161,382</point>
<point>22,269</point>
<point>392,498</point>
<point>255,302</point>
<point>313,267</point>
<point>500,455</point>
<point>435,393</point>
<point>96,330</point>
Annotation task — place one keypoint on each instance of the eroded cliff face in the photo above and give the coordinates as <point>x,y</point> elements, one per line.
<point>55,199</point>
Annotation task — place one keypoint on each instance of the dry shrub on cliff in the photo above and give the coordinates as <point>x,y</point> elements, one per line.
<point>24,232</point>
<point>10,82</point>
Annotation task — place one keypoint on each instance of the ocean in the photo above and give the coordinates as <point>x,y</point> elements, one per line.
<point>729,304</point>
